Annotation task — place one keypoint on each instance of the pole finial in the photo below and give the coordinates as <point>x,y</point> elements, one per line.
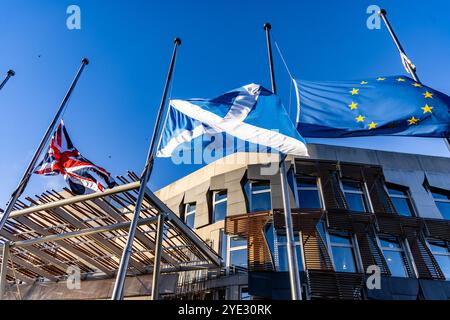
<point>11,73</point>
<point>267,26</point>
<point>85,61</point>
<point>382,12</point>
<point>177,41</point>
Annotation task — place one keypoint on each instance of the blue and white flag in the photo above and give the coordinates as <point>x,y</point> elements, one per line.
<point>251,117</point>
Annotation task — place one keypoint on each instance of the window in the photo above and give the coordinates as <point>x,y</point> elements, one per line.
<point>401,200</point>
<point>342,252</point>
<point>244,293</point>
<point>278,245</point>
<point>237,253</point>
<point>442,200</point>
<point>233,250</point>
<point>189,215</point>
<point>259,196</point>
<point>219,206</point>
<point>441,253</point>
<point>308,194</point>
<point>354,194</point>
<point>395,256</point>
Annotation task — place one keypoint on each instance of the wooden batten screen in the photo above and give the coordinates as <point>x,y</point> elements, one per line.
<point>362,225</point>
<point>335,285</point>
<point>332,193</point>
<point>438,229</point>
<point>314,248</point>
<point>412,229</point>
<point>381,201</point>
<point>251,227</point>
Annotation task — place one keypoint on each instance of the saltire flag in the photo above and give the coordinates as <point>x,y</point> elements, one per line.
<point>251,116</point>
<point>80,174</point>
<point>394,105</point>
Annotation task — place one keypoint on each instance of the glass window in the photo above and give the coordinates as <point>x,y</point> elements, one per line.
<point>244,294</point>
<point>281,257</point>
<point>442,200</point>
<point>189,215</point>
<point>237,252</point>
<point>308,193</point>
<point>219,206</point>
<point>400,199</point>
<point>342,252</point>
<point>354,194</point>
<point>441,253</point>
<point>395,257</point>
<point>259,196</point>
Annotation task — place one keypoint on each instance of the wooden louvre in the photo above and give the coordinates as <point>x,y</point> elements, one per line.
<point>362,225</point>
<point>332,193</point>
<point>412,229</point>
<point>314,248</point>
<point>381,201</point>
<point>438,229</point>
<point>251,227</point>
<point>335,285</point>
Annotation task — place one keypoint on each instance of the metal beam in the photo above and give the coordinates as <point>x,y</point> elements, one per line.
<point>81,255</point>
<point>102,204</point>
<point>80,233</point>
<point>76,199</point>
<point>192,236</point>
<point>33,268</point>
<point>67,215</point>
<point>4,269</point>
<point>39,253</point>
<point>157,261</point>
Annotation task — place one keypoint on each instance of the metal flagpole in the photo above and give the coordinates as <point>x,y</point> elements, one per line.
<point>409,66</point>
<point>122,272</point>
<point>29,171</point>
<point>294,275</point>
<point>10,74</point>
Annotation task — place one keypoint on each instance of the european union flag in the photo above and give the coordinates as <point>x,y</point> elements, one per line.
<point>394,105</point>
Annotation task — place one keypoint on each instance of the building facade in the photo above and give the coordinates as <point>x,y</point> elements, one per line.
<point>368,225</point>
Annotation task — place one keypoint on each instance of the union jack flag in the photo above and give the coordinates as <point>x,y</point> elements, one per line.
<point>80,173</point>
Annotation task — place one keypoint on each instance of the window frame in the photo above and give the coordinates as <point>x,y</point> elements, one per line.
<point>214,203</point>
<point>191,212</point>
<point>353,246</point>
<point>407,195</point>
<point>318,189</point>
<point>364,192</point>
<point>440,191</point>
<point>404,250</point>
<point>251,192</point>
<point>447,254</point>
<point>230,249</point>
<point>277,244</point>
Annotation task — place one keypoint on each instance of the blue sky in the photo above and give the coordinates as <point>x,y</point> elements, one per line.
<point>111,114</point>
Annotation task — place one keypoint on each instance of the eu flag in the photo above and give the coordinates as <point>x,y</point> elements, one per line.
<point>395,105</point>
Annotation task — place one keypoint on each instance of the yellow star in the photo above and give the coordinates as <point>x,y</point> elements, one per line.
<point>372,125</point>
<point>360,118</point>
<point>401,80</point>
<point>353,105</point>
<point>413,120</point>
<point>364,82</point>
<point>354,91</point>
<point>428,95</point>
<point>427,108</point>
<point>381,79</point>
<point>417,85</point>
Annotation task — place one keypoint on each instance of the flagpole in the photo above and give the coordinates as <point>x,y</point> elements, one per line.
<point>10,74</point>
<point>29,171</point>
<point>118,292</point>
<point>407,64</point>
<point>294,275</point>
